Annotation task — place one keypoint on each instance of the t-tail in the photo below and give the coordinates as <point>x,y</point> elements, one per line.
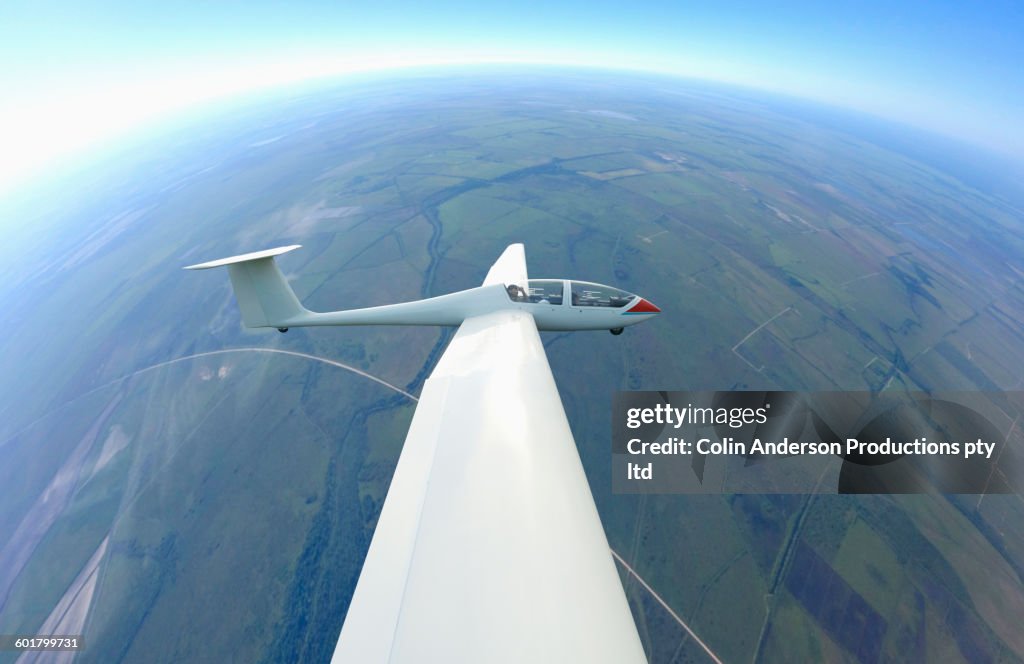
<point>264,296</point>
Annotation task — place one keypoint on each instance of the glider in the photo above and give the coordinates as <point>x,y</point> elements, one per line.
<point>489,547</point>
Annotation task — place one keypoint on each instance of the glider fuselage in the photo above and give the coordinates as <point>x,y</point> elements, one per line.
<point>266,300</point>
<point>555,304</point>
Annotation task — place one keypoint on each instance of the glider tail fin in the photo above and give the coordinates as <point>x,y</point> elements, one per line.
<point>264,296</point>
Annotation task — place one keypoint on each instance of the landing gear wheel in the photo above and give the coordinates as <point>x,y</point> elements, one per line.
<point>616,331</point>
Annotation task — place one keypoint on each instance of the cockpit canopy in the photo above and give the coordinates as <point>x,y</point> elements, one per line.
<point>587,294</point>
<point>580,293</point>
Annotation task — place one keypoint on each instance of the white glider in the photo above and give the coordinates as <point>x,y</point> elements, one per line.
<point>489,547</point>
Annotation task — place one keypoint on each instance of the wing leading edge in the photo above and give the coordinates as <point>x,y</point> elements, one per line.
<point>489,547</point>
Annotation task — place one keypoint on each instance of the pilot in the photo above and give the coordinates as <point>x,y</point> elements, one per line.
<point>516,293</point>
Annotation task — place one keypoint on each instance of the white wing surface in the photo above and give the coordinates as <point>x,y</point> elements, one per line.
<point>489,547</point>
<point>510,268</point>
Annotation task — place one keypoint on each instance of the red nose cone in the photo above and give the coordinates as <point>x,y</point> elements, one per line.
<point>644,307</point>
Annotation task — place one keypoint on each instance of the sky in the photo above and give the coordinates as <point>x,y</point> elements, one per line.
<point>77,74</point>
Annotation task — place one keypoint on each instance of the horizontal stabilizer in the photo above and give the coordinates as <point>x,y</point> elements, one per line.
<point>242,258</point>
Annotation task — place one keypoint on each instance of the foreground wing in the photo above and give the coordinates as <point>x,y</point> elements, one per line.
<point>489,547</point>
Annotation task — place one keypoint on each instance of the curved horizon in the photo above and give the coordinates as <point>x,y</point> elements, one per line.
<point>76,77</point>
<point>134,131</point>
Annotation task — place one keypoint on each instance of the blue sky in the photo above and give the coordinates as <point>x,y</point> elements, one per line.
<point>75,74</point>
